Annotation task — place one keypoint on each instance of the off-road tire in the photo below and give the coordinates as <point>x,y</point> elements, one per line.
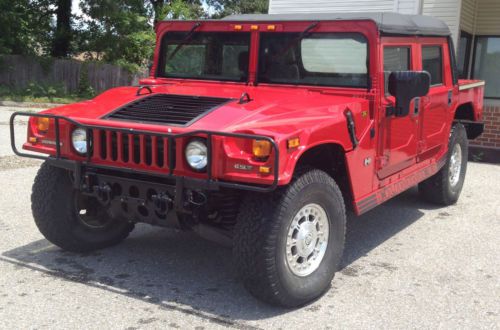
<point>53,207</point>
<point>437,189</point>
<point>260,239</point>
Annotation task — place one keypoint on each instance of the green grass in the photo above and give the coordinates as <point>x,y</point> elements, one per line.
<point>42,99</point>
<point>45,93</point>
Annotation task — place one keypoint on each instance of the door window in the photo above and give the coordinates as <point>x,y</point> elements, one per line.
<point>432,62</point>
<point>396,58</point>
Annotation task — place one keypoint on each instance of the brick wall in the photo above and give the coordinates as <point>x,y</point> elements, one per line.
<point>491,136</point>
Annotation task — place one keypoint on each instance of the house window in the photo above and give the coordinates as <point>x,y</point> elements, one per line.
<point>463,54</point>
<point>487,64</point>
<point>432,62</point>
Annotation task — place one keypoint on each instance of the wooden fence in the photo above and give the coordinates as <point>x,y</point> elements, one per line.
<point>19,71</point>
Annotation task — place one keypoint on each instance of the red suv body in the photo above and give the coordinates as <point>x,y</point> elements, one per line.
<point>369,99</point>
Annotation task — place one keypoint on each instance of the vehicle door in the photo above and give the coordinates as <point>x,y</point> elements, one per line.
<point>434,54</point>
<point>399,136</point>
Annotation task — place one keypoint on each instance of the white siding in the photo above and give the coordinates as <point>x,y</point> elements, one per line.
<point>410,7</point>
<point>468,16</point>
<point>446,10</point>
<point>488,17</point>
<point>325,6</point>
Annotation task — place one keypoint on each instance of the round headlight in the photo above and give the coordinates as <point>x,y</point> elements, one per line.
<point>79,140</point>
<point>196,155</point>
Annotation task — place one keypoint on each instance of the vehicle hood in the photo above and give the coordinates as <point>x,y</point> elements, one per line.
<point>271,109</point>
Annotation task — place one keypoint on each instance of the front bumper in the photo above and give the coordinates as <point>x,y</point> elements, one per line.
<point>208,181</point>
<point>132,196</point>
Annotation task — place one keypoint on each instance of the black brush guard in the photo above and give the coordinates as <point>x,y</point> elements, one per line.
<point>181,182</point>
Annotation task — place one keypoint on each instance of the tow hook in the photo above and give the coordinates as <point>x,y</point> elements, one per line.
<point>196,198</point>
<point>161,202</point>
<point>103,193</point>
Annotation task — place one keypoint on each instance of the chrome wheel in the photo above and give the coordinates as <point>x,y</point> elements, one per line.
<point>307,240</point>
<point>455,165</point>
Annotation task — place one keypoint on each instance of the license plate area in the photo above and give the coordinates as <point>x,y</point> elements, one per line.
<point>131,199</point>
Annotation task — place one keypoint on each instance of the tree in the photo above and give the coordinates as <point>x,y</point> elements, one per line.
<point>62,34</point>
<point>117,31</point>
<point>176,9</point>
<point>25,27</point>
<point>230,7</point>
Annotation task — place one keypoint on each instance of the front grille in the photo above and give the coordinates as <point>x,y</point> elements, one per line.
<point>133,149</point>
<point>168,109</point>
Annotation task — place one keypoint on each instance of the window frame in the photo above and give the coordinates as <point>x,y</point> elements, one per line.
<point>474,55</point>
<point>467,57</point>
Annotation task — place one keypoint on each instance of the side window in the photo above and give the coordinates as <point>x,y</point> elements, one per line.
<point>396,58</point>
<point>432,62</point>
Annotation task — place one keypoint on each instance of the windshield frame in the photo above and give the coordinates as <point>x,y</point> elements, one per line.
<point>366,27</point>
<point>162,56</point>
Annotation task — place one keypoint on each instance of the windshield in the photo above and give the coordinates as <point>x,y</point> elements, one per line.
<point>205,55</point>
<point>325,59</point>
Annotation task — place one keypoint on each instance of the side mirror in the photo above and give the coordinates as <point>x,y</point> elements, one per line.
<point>405,86</point>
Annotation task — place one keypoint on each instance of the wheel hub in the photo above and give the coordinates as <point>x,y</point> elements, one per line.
<point>307,240</point>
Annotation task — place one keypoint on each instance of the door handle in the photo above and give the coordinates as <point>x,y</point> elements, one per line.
<point>450,97</point>
<point>416,104</point>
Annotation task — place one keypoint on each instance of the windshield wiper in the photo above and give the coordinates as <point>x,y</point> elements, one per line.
<point>295,41</point>
<point>184,41</point>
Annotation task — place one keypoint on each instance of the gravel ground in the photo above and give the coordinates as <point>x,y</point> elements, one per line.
<point>407,264</point>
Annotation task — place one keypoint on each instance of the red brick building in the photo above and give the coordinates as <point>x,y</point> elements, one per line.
<point>487,146</point>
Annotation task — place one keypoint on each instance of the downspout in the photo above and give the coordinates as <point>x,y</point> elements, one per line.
<point>419,7</point>
<point>473,41</point>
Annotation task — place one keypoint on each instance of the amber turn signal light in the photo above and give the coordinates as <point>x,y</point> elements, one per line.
<point>261,148</point>
<point>43,124</point>
<point>293,143</point>
<point>265,169</point>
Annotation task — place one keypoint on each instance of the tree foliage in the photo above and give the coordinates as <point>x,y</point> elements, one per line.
<point>230,7</point>
<point>25,27</point>
<point>115,31</point>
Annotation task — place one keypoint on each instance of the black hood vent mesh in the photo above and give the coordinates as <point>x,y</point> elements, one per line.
<point>181,110</point>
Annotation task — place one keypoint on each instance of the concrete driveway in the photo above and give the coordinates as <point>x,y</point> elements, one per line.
<point>407,264</point>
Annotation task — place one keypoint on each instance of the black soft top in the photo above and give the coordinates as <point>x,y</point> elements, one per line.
<point>388,23</point>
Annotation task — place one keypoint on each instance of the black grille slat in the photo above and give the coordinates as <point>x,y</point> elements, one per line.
<point>168,109</point>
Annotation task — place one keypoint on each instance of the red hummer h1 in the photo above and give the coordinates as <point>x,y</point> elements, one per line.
<point>258,131</point>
